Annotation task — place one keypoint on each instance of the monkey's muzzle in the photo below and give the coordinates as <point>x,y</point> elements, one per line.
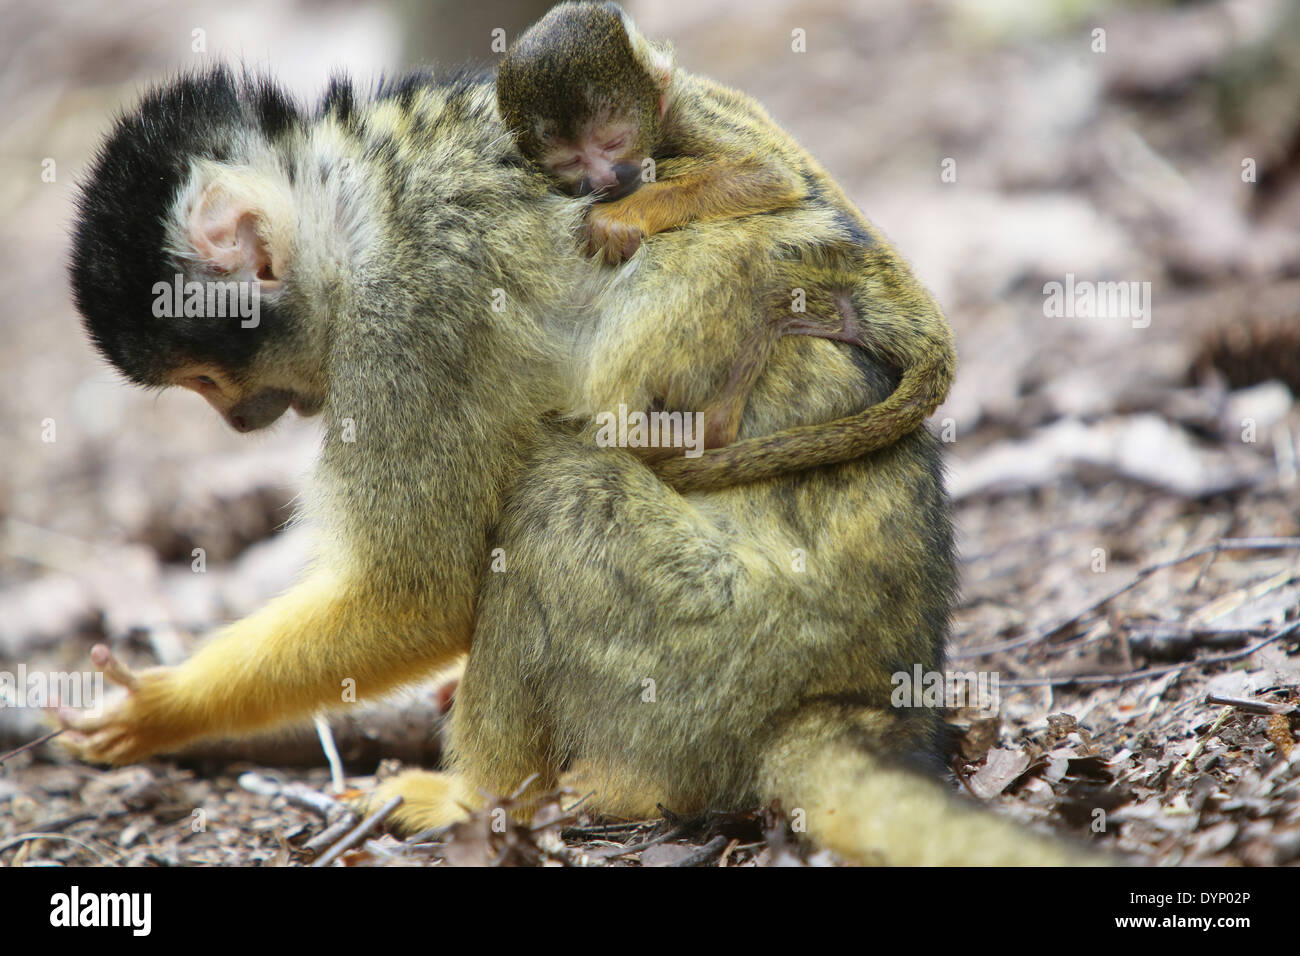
<point>627,180</point>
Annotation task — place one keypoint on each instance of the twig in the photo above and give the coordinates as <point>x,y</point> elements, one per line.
<point>323,805</point>
<point>24,837</point>
<point>1170,640</point>
<point>598,830</point>
<point>562,821</point>
<point>1101,679</point>
<point>331,834</point>
<point>1200,744</point>
<point>581,800</point>
<point>519,790</point>
<point>614,852</point>
<point>1227,544</point>
<point>313,801</point>
<point>331,749</point>
<point>359,833</point>
<point>30,744</point>
<point>726,854</point>
<point>705,854</point>
<point>1261,707</point>
<point>62,823</point>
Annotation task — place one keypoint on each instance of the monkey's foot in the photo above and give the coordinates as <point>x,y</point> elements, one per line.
<point>428,800</point>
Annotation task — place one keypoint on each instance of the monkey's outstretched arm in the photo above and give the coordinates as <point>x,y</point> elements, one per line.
<point>326,641</point>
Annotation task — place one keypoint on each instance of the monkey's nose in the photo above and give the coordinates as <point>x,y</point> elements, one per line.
<point>597,183</point>
<point>624,179</point>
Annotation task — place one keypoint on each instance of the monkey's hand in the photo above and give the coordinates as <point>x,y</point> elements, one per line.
<point>148,721</point>
<point>611,235</point>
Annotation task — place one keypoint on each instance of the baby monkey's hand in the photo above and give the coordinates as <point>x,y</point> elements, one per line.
<point>611,236</point>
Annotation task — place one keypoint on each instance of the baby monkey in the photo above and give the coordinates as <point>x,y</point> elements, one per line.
<point>606,113</point>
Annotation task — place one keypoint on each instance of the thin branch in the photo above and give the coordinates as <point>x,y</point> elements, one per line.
<point>596,829</point>
<point>726,854</point>
<point>581,800</point>
<point>24,837</point>
<point>359,833</point>
<point>1103,679</point>
<point>62,823</point>
<point>327,744</point>
<point>299,795</point>
<point>331,834</point>
<point>1261,707</point>
<point>1227,544</point>
<point>705,854</point>
<point>34,743</point>
<point>614,852</point>
<point>1200,744</point>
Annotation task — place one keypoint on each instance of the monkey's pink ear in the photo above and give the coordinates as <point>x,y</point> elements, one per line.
<point>664,78</point>
<point>224,233</point>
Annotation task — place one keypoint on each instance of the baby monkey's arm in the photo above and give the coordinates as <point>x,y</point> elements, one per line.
<point>690,190</point>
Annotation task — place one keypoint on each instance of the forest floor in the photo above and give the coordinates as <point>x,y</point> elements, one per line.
<point>1125,489</point>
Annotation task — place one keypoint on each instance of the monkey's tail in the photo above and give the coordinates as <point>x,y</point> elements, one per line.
<point>868,810</point>
<point>922,388</point>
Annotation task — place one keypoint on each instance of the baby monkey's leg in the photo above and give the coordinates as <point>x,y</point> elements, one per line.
<point>723,413</point>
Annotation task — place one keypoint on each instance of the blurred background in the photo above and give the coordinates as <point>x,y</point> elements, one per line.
<point>1002,146</point>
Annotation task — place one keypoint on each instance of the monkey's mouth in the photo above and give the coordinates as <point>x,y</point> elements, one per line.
<point>305,406</point>
<point>610,193</point>
<point>264,408</point>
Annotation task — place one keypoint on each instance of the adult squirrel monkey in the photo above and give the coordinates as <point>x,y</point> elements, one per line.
<point>711,650</point>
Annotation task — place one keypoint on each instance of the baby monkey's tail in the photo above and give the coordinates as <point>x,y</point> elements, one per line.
<point>921,389</point>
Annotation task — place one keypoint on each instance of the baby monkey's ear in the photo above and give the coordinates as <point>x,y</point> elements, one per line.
<point>658,61</point>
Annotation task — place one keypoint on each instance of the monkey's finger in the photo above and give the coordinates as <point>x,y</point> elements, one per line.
<point>113,669</point>
<point>595,246</point>
<point>631,243</point>
<point>119,748</point>
<point>112,744</point>
<point>613,250</point>
<point>76,721</point>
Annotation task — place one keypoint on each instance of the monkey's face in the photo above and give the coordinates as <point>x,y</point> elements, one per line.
<point>245,407</point>
<point>605,160</point>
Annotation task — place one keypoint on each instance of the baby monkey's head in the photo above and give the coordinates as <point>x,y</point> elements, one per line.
<point>584,93</point>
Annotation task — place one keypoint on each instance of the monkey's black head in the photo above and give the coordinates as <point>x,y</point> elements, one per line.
<point>119,252</point>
